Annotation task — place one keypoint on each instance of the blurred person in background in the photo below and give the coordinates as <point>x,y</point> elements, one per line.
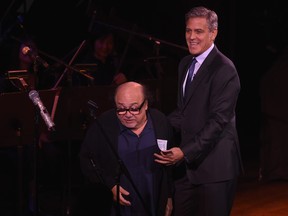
<point>99,60</point>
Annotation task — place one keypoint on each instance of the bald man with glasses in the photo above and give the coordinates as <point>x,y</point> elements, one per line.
<point>118,152</point>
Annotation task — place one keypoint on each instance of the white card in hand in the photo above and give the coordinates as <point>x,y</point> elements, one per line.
<point>162,144</point>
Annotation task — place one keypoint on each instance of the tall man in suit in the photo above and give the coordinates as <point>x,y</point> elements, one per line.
<point>207,161</point>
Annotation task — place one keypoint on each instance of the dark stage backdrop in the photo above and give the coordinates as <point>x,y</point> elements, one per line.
<point>252,33</point>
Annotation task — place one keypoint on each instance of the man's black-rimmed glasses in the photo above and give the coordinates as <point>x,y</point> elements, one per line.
<point>131,110</point>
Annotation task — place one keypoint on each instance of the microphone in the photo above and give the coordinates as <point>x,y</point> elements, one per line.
<point>28,51</point>
<point>34,96</point>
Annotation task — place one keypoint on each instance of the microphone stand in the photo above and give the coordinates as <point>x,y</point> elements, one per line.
<point>146,36</point>
<point>75,55</point>
<point>35,153</point>
<point>66,69</point>
<point>123,169</point>
<point>67,66</point>
<point>38,111</point>
<point>59,62</point>
<point>157,42</point>
<point>35,203</point>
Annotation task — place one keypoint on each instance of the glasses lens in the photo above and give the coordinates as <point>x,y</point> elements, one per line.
<point>133,111</point>
<point>121,111</point>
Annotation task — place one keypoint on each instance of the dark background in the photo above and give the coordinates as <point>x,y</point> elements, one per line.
<point>252,33</point>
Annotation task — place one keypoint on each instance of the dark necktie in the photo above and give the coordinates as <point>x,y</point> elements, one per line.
<point>190,75</point>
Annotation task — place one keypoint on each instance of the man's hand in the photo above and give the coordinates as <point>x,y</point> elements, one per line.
<point>122,192</point>
<point>169,157</point>
<point>169,207</point>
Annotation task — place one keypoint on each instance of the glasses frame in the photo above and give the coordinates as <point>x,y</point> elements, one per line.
<point>130,109</point>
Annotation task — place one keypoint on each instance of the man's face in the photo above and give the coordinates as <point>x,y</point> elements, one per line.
<point>104,46</point>
<point>198,37</point>
<point>131,108</point>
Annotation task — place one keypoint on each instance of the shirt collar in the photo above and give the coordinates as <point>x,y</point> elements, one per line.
<point>203,56</point>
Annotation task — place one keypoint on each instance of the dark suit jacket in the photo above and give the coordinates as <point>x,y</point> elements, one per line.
<point>103,134</point>
<point>207,119</point>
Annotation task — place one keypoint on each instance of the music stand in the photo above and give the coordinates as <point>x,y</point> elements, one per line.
<point>72,114</point>
<point>18,128</point>
<point>86,68</point>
